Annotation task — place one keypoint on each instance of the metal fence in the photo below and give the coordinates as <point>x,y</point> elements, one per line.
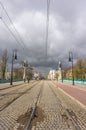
<point>77,81</point>
<point>8,80</point>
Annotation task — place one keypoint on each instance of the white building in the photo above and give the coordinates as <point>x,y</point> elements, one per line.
<point>52,74</point>
<point>59,74</point>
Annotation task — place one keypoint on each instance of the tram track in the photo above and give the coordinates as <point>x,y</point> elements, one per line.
<point>31,113</point>
<point>68,113</point>
<point>11,86</point>
<point>78,111</point>
<point>12,90</point>
<point>10,101</point>
<point>40,108</point>
<point>33,110</point>
<point>3,95</point>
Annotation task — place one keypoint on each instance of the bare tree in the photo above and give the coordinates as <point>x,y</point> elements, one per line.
<point>3,64</point>
<point>18,72</point>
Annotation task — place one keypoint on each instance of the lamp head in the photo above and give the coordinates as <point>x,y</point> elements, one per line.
<point>15,57</point>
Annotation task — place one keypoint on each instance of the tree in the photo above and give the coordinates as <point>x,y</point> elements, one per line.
<point>80,68</point>
<point>18,72</point>
<point>3,64</point>
<point>29,73</point>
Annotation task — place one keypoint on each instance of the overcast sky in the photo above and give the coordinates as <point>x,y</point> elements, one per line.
<point>67,30</point>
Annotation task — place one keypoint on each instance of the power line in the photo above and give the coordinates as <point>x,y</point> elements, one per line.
<point>10,31</point>
<point>12,35</point>
<point>18,37</point>
<point>47,27</point>
<point>12,24</point>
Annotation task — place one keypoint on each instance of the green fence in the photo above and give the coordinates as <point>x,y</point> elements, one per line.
<point>8,80</point>
<point>77,81</point>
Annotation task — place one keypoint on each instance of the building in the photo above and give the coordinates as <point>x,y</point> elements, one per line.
<point>59,74</point>
<point>52,74</point>
<point>55,74</point>
<point>69,74</point>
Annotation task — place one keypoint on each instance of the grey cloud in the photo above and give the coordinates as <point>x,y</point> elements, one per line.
<point>67,30</point>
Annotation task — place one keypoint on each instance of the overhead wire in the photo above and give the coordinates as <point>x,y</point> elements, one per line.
<point>17,38</point>
<point>47,28</point>
<point>10,31</point>
<point>10,20</point>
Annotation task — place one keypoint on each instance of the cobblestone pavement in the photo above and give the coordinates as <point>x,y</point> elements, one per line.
<point>51,111</point>
<point>75,107</point>
<point>77,92</point>
<point>7,85</point>
<point>52,115</point>
<point>10,114</point>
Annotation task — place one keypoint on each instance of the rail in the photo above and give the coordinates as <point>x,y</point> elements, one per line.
<point>33,110</point>
<point>68,113</point>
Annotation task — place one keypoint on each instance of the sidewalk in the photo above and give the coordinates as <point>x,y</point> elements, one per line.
<point>79,86</point>
<point>75,91</point>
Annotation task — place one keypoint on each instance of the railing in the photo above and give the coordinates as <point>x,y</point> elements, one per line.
<point>76,81</point>
<point>8,80</point>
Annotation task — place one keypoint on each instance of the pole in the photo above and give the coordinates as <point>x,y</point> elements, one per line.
<point>62,75</point>
<point>14,57</point>
<point>12,71</point>
<point>60,65</point>
<point>72,72</point>
<point>71,60</point>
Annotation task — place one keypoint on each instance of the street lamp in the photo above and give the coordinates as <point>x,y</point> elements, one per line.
<point>60,66</point>
<point>14,57</point>
<point>71,60</point>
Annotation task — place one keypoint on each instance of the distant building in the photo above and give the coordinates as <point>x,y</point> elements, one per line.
<point>37,76</point>
<point>55,74</point>
<point>69,74</point>
<point>59,74</point>
<point>52,74</point>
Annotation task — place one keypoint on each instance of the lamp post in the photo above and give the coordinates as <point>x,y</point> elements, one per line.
<point>14,57</point>
<point>71,60</point>
<point>60,66</point>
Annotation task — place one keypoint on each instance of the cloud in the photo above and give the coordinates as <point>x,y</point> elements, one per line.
<point>67,30</point>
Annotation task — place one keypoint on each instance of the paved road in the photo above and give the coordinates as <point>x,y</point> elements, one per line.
<point>16,104</point>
